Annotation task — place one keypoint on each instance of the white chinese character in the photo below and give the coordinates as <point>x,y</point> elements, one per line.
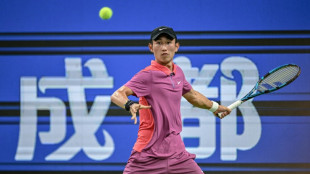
<point>206,131</point>
<point>85,123</point>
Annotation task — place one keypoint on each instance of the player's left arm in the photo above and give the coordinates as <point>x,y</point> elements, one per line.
<point>200,101</point>
<point>120,98</point>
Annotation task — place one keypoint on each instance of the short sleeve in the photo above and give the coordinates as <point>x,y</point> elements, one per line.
<point>186,87</point>
<point>139,83</point>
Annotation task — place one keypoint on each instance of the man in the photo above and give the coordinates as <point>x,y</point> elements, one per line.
<point>160,87</point>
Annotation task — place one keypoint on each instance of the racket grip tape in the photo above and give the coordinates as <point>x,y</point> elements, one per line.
<point>232,106</point>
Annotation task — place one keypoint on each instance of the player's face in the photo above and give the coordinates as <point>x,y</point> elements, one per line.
<point>164,50</point>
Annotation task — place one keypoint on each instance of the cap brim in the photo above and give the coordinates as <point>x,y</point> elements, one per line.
<point>163,32</point>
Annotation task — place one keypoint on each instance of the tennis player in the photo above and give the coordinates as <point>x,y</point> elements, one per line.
<point>159,147</point>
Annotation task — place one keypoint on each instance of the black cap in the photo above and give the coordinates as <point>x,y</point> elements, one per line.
<point>163,29</point>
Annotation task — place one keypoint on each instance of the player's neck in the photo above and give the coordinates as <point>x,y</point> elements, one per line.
<point>169,65</point>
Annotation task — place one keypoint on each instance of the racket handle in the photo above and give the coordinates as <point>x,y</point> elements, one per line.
<point>232,106</point>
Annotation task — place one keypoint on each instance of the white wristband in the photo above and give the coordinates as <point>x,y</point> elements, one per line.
<point>214,107</point>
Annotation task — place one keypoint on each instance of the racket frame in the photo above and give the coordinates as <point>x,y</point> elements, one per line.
<point>251,95</point>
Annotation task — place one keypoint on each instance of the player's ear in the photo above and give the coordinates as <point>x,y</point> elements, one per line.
<point>151,47</point>
<point>177,46</point>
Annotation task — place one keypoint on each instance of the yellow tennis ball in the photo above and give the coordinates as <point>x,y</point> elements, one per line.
<point>105,13</point>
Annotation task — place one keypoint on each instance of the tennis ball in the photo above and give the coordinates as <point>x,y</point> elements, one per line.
<point>105,13</point>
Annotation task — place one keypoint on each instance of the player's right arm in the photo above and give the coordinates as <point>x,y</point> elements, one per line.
<point>199,100</point>
<point>120,98</point>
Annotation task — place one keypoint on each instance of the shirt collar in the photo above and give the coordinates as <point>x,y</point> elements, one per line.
<point>163,68</point>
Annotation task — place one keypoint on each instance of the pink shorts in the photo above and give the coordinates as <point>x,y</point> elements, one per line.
<point>181,164</point>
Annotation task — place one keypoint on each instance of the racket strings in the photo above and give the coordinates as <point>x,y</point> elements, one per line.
<point>278,78</point>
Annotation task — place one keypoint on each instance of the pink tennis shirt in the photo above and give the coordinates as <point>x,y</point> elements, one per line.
<point>160,126</point>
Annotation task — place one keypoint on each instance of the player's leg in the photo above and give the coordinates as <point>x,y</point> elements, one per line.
<point>185,164</point>
<point>145,165</point>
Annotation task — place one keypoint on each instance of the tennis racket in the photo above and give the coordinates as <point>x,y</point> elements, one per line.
<point>272,81</point>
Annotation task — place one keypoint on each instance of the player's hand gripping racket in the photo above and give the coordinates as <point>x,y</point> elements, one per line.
<point>272,81</point>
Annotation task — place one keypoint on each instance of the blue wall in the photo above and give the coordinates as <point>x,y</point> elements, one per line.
<point>136,15</point>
